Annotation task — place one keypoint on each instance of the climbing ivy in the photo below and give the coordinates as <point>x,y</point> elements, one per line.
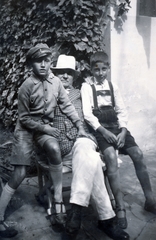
<point>67,26</point>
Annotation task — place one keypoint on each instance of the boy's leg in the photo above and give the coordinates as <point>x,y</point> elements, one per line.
<point>141,171</point>
<point>110,158</point>
<point>5,198</point>
<point>21,156</point>
<point>52,149</point>
<point>6,195</point>
<point>107,222</point>
<point>10,188</point>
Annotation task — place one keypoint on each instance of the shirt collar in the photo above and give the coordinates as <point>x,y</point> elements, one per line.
<point>36,80</point>
<point>101,84</point>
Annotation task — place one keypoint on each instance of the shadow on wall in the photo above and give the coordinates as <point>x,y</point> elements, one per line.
<point>143,25</point>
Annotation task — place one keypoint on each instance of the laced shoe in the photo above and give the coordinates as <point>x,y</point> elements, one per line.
<point>112,229</point>
<point>59,218</point>
<point>122,221</point>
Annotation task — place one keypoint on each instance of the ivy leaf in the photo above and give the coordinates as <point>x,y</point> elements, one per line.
<point>5,93</point>
<point>10,98</point>
<point>2,110</point>
<point>61,2</point>
<point>81,46</point>
<point>85,39</point>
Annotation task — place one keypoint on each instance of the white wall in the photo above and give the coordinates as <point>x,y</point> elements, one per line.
<point>133,68</point>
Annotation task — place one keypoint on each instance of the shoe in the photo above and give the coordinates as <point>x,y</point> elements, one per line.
<point>73,222</point>
<point>150,207</point>
<point>9,232</point>
<point>112,229</point>
<point>122,221</point>
<point>59,218</point>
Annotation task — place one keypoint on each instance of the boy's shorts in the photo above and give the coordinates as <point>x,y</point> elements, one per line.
<point>103,144</point>
<point>41,138</point>
<point>23,150</point>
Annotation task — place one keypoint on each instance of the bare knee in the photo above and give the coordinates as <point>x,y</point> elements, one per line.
<point>53,152</point>
<point>51,146</point>
<point>137,157</point>
<point>136,153</point>
<point>110,159</point>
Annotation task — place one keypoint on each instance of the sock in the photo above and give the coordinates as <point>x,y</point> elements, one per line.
<point>56,175</point>
<point>5,198</point>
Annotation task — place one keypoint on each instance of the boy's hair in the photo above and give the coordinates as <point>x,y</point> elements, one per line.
<point>99,57</point>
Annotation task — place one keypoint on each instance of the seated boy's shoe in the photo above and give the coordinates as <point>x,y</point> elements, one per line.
<point>73,222</point>
<point>150,207</point>
<point>8,232</point>
<point>112,229</point>
<point>122,221</point>
<point>59,217</point>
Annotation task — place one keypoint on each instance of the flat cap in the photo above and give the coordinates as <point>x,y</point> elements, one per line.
<point>38,51</point>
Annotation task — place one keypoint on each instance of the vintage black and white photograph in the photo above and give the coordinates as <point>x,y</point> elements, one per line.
<point>77,119</point>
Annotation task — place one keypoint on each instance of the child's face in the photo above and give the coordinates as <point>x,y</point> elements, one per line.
<point>99,71</point>
<point>41,66</point>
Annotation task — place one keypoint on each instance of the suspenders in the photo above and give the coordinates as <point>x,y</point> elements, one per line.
<point>95,95</point>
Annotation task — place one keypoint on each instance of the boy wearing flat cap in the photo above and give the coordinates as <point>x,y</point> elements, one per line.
<point>37,100</point>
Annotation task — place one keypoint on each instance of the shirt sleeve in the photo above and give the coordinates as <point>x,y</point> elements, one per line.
<point>87,106</point>
<point>120,108</point>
